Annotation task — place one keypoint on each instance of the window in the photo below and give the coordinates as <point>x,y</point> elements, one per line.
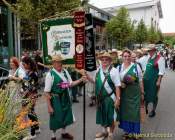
<point>3,36</point>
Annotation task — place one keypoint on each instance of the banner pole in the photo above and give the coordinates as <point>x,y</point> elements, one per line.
<point>79,25</point>
<point>84,112</point>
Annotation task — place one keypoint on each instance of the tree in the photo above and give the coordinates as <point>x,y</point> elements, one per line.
<point>152,35</point>
<point>32,11</point>
<point>141,33</point>
<point>169,40</point>
<point>160,35</point>
<point>120,27</point>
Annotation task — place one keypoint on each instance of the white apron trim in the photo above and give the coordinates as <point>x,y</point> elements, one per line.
<point>123,73</point>
<point>107,86</point>
<point>60,75</point>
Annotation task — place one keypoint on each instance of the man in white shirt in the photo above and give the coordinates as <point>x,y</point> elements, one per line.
<point>154,71</point>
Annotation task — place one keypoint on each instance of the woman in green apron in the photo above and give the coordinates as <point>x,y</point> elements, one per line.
<point>115,60</point>
<point>57,84</point>
<point>131,94</point>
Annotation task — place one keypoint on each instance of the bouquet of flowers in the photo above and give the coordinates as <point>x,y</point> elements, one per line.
<point>13,120</point>
<point>129,79</point>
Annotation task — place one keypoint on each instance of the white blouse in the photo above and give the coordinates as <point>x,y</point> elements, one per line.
<point>50,79</point>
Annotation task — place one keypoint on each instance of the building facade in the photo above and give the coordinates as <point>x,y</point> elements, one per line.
<point>149,10</point>
<point>100,17</point>
<point>9,40</point>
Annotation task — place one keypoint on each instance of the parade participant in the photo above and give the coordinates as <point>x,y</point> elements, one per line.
<point>139,53</point>
<point>114,56</point>
<point>16,72</point>
<point>37,58</point>
<point>29,94</point>
<point>57,83</point>
<point>134,59</point>
<point>107,90</point>
<point>155,70</point>
<point>90,89</point>
<point>74,76</point>
<point>97,60</point>
<point>120,57</point>
<point>143,60</point>
<point>131,94</point>
<point>16,75</point>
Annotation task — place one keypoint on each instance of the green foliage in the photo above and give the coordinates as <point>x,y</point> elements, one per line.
<point>31,11</point>
<point>169,40</point>
<point>152,35</point>
<point>141,32</point>
<point>120,27</point>
<point>160,35</point>
<point>133,33</point>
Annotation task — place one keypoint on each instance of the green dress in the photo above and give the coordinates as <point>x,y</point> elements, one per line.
<point>61,104</point>
<point>150,79</point>
<point>105,114</point>
<point>130,103</point>
<point>130,99</point>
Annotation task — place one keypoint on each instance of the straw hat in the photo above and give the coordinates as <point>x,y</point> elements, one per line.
<point>145,49</point>
<point>119,53</point>
<point>139,51</point>
<point>114,51</point>
<point>151,47</point>
<point>102,52</point>
<point>109,51</point>
<point>57,58</point>
<point>105,54</point>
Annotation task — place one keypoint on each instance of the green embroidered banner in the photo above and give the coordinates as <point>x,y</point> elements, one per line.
<point>58,37</point>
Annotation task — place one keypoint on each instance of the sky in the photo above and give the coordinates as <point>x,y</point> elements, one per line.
<point>167,23</point>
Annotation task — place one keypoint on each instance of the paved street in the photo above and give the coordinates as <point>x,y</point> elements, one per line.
<point>163,123</point>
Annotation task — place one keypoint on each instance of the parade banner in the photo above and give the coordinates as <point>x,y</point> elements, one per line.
<point>79,25</point>
<point>90,62</point>
<point>58,37</point>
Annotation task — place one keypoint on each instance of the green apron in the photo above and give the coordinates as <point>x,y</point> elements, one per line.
<point>105,111</point>
<point>130,99</point>
<point>61,104</point>
<point>150,79</point>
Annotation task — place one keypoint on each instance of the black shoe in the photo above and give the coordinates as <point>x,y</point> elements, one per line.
<point>152,114</point>
<point>80,94</point>
<point>91,104</point>
<point>67,136</point>
<point>75,101</point>
<point>53,138</point>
